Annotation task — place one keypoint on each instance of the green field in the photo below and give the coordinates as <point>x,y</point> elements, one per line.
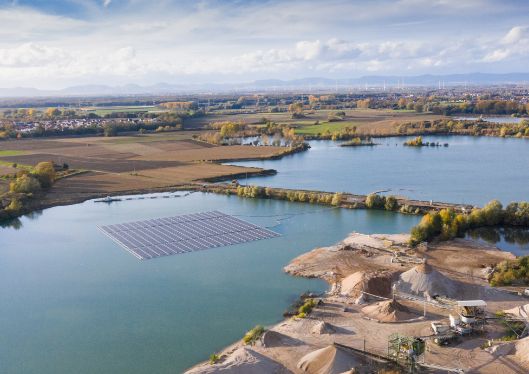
<point>323,127</point>
<point>7,153</point>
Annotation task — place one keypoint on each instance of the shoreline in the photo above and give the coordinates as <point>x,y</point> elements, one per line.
<point>214,185</point>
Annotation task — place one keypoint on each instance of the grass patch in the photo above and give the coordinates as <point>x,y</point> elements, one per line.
<point>324,127</point>
<point>253,335</point>
<point>8,152</point>
<point>19,166</point>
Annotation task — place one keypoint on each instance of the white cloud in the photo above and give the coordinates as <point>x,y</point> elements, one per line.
<point>145,41</point>
<point>497,55</point>
<point>515,35</point>
<point>31,55</point>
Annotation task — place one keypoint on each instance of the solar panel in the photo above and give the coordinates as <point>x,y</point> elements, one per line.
<point>182,234</point>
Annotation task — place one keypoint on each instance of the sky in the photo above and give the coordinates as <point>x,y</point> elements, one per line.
<point>54,44</point>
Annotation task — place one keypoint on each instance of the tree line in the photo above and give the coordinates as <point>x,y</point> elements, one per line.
<point>26,184</point>
<point>447,224</point>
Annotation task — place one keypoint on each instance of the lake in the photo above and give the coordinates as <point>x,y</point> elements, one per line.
<point>494,119</point>
<point>472,170</point>
<point>72,301</point>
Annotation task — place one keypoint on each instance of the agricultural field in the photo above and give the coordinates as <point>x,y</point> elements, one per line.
<point>367,121</point>
<point>324,127</point>
<point>103,111</point>
<point>8,152</point>
<point>130,163</point>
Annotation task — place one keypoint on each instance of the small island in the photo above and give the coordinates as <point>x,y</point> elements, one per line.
<point>417,142</point>
<point>358,142</point>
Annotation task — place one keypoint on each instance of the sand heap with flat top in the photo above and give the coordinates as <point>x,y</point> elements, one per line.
<point>322,327</point>
<point>388,311</point>
<point>521,311</point>
<point>375,283</point>
<point>521,350</point>
<point>424,280</point>
<point>330,360</point>
<point>242,361</point>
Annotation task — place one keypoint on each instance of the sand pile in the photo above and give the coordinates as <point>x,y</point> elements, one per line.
<point>330,360</point>
<point>518,348</point>
<point>376,283</point>
<point>388,311</point>
<point>519,311</point>
<point>273,338</point>
<point>424,280</point>
<point>242,361</point>
<point>521,350</point>
<point>322,327</point>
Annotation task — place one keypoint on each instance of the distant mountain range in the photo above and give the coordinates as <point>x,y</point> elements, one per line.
<point>427,80</point>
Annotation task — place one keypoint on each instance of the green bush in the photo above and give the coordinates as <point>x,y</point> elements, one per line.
<point>417,142</point>
<point>391,203</point>
<point>508,272</point>
<point>15,206</point>
<point>24,184</point>
<point>336,199</point>
<point>45,173</point>
<point>375,201</point>
<point>305,309</point>
<point>214,358</point>
<point>253,335</point>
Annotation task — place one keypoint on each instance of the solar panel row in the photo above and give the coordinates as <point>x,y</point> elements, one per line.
<point>180,234</point>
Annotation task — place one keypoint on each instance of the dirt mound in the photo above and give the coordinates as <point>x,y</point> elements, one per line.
<point>376,283</point>
<point>329,360</point>
<point>322,327</point>
<point>424,280</point>
<point>519,311</point>
<point>388,311</point>
<point>500,350</point>
<point>242,361</point>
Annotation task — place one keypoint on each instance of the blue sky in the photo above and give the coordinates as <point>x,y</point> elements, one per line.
<point>53,44</point>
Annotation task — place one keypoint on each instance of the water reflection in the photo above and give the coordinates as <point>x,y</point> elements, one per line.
<point>14,223</point>
<point>512,239</point>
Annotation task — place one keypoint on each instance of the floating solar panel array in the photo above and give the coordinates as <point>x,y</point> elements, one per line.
<point>181,234</point>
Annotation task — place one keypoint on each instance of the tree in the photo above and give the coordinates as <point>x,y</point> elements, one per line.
<point>53,112</point>
<point>45,173</point>
<point>391,203</point>
<point>295,108</point>
<point>492,213</point>
<point>15,206</point>
<point>336,199</point>
<point>375,201</point>
<point>110,129</point>
<point>24,184</point>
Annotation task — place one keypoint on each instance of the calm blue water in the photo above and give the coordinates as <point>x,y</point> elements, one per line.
<point>494,119</point>
<point>471,170</point>
<point>72,301</point>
